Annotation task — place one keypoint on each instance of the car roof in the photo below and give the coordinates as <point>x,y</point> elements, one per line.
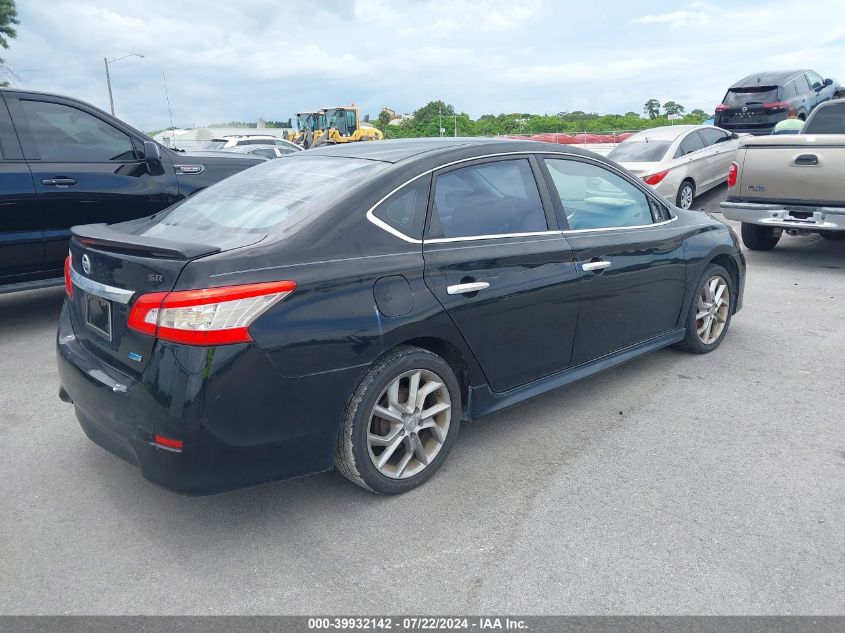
<point>407,150</point>
<point>663,133</point>
<point>771,78</point>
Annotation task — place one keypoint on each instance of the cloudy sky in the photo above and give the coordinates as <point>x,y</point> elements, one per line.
<point>238,60</point>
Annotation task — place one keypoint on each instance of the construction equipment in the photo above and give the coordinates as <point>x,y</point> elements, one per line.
<point>344,125</point>
<point>310,125</point>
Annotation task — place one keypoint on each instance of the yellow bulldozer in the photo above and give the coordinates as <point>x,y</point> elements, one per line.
<point>344,125</point>
<point>309,126</point>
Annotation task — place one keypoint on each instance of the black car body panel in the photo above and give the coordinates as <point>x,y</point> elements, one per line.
<point>272,408</point>
<point>45,188</point>
<point>755,104</point>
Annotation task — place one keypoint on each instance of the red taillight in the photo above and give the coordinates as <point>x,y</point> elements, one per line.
<point>721,107</point>
<point>167,442</point>
<point>655,178</point>
<point>776,105</point>
<point>733,174</point>
<point>213,316</point>
<point>68,282</point>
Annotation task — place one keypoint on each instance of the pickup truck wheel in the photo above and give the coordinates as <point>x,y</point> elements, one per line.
<point>686,194</point>
<point>710,311</point>
<point>401,422</point>
<point>760,238</point>
<point>833,236</point>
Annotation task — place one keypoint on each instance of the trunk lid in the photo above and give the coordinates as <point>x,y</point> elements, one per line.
<point>799,168</point>
<point>115,264</point>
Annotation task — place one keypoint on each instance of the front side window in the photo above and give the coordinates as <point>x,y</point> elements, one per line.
<point>61,133</point>
<point>713,136</point>
<point>405,209</point>
<point>691,143</point>
<point>496,198</point>
<point>815,81</point>
<point>595,198</point>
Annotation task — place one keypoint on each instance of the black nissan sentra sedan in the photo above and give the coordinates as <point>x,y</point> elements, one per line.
<point>350,306</point>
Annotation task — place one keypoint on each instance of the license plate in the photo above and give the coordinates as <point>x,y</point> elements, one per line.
<point>98,315</point>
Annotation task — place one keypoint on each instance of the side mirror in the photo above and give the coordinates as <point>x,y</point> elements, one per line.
<point>152,154</point>
<point>152,157</point>
<point>828,82</point>
<point>734,135</point>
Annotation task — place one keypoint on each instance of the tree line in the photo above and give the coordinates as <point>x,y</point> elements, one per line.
<point>428,120</point>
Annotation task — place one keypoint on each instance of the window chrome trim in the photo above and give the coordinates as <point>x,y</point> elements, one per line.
<point>118,295</point>
<point>539,154</point>
<point>623,228</point>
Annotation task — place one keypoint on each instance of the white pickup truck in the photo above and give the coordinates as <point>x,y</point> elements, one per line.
<point>792,182</point>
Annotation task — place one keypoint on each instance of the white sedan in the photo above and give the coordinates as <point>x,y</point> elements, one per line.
<point>679,161</point>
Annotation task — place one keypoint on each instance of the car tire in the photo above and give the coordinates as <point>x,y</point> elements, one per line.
<point>416,448</point>
<point>710,312</point>
<point>760,238</point>
<point>686,194</point>
<point>833,236</point>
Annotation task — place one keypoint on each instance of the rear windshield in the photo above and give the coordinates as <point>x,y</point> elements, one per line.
<point>828,120</point>
<point>639,151</point>
<point>275,196</point>
<point>738,97</point>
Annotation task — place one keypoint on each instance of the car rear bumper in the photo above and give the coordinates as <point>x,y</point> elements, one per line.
<point>808,218</point>
<point>240,422</point>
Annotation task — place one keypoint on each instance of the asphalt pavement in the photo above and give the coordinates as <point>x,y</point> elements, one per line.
<point>675,484</point>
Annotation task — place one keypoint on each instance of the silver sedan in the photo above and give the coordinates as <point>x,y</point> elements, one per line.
<point>679,161</point>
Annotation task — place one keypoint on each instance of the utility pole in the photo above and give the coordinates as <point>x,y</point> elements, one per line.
<point>108,82</point>
<point>107,61</point>
<point>456,126</point>
<point>440,121</point>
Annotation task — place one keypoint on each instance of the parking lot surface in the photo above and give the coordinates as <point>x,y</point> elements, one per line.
<point>674,484</point>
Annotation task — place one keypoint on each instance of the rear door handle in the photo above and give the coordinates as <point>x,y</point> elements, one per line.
<point>59,182</point>
<point>593,266</point>
<point>462,289</point>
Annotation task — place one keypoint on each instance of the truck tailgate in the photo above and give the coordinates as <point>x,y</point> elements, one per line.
<point>793,168</point>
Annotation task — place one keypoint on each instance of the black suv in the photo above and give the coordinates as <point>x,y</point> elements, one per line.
<point>758,102</point>
<point>64,162</point>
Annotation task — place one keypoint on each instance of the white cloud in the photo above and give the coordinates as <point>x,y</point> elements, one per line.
<point>235,61</point>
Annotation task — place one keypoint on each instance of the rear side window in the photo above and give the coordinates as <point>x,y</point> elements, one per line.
<point>827,120</point>
<point>278,195</point>
<point>801,84</point>
<point>595,198</point>
<point>496,198</point>
<point>790,90</point>
<point>405,209</point>
<point>691,143</point>
<point>61,133</point>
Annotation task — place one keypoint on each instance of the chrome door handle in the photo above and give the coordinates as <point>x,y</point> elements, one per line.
<point>59,182</point>
<point>462,289</point>
<point>590,266</point>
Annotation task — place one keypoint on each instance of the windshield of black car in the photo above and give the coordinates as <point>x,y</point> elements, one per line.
<point>827,120</point>
<point>631,151</point>
<point>755,95</point>
<point>277,195</point>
